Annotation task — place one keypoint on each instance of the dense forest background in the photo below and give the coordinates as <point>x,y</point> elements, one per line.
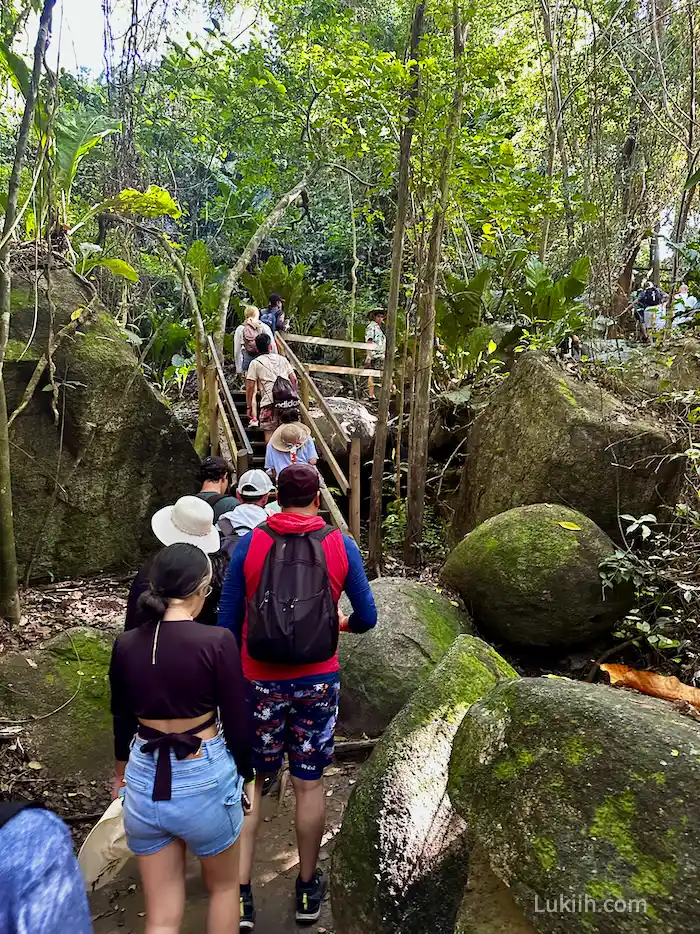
<point>469,166</point>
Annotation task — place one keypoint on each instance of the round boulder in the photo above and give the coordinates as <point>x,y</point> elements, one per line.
<point>381,669</point>
<point>530,576</point>
<point>355,419</point>
<point>585,800</point>
<point>400,861</point>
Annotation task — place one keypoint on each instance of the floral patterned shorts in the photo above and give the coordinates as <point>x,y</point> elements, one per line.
<point>296,717</point>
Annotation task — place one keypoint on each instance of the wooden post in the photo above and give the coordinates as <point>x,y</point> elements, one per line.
<point>304,391</point>
<point>355,490</point>
<point>213,411</point>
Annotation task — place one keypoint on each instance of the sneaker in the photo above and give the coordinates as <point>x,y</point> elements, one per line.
<point>253,423</point>
<point>310,898</point>
<point>247,922</point>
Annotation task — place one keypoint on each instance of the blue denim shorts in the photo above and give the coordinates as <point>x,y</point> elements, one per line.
<point>205,809</point>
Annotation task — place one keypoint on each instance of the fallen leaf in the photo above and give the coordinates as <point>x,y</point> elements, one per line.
<point>31,663</point>
<point>647,682</point>
<point>34,765</point>
<point>570,526</point>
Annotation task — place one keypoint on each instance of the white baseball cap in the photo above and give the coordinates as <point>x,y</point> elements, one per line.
<point>190,520</point>
<point>255,482</point>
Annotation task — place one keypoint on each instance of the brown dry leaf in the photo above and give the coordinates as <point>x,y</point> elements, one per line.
<point>663,686</point>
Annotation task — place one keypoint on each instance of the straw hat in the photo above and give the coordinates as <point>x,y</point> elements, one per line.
<point>288,437</point>
<point>190,520</point>
<point>105,851</point>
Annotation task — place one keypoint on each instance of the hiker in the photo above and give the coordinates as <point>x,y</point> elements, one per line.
<point>375,335</point>
<point>41,887</point>
<point>570,348</point>
<point>263,375</point>
<point>215,475</point>
<point>183,776</point>
<point>252,506</point>
<point>273,316</point>
<point>644,304</point>
<point>291,443</point>
<point>244,346</point>
<point>301,565</point>
<point>190,520</point>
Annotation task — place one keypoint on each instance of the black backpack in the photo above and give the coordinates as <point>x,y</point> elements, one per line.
<point>284,395</point>
<point>292,617</point>
<point>650,296</point>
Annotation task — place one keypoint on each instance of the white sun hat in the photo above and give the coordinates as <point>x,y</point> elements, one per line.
<point>190,520</point>
<point>255,482</point>
<point>105,851</point>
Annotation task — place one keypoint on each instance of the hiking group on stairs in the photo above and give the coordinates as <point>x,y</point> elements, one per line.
<point>228,663</point>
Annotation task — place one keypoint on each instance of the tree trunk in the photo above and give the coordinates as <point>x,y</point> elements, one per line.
<point>353,281</point>
<point>655,255</point>
<point>420,416</point>
<point>241,264</point>
<point>382,429</point>
<point>9,596</point>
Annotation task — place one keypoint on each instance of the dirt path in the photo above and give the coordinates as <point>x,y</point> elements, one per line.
<point>118,909</point>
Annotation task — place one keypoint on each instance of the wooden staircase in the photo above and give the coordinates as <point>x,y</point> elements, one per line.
<point>228,419</point>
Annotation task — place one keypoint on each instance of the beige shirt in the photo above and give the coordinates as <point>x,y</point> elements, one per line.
<point>264,370</point>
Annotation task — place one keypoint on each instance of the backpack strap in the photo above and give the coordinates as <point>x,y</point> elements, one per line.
<point>11,809</point>
<point>320,535</point>
<point>213,500</point>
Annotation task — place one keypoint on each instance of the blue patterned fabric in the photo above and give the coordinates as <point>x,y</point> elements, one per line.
<point>41,888</point>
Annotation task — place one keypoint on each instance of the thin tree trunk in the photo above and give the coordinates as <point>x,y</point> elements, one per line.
<point>241,264</point>
<point>382,430</point>
<point>9,596</point>
<point>420,416</point>
<point>655,254</point>
<point>353,281</point>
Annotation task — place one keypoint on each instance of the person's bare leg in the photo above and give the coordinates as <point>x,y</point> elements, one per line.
<point>250,828</point>
<point>370,387</point>
<point>310,823</point>
<point>163,880</point>
<point>220,874</point>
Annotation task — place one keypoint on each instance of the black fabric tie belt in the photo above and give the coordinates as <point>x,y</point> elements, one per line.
<point>182,744</point>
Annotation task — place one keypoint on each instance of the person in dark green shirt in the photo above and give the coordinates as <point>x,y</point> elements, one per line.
<point>215,475</point>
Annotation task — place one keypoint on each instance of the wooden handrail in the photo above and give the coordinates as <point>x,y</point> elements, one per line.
<point>328,454</point>
<point>343,370</point>
<point>328,342</point>
<point>303,373</point>
<point>332,507</point>
<point>230,405</point>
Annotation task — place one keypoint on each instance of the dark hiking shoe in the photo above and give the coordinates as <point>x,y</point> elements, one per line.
<point>247,909</point>
<point>310,898</point>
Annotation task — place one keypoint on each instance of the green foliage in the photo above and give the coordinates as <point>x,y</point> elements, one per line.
<point>153,202</point>
<point>92,258</point>
<point>16,69</point>
<point>304,302</point>
<point>76,134</point>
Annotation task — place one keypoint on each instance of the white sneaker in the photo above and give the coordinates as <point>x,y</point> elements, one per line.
<point>253,423</point>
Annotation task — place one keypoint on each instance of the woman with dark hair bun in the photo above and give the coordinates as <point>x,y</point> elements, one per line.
<point>184,766</point>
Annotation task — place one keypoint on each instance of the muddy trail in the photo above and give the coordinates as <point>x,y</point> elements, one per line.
<point>118,909</point>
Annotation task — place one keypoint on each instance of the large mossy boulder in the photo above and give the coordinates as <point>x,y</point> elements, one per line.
<point>489,906</point>
<point>400,861</point>
<point>530,577</point>
<point>62,691</point>
<point>382,668</point>
<point>84,489</point>
<point>355,419</point>
<point>586,792</point>
<point>547,436</point>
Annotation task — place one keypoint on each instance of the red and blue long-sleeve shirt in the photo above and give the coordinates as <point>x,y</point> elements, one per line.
<point>345,570</point>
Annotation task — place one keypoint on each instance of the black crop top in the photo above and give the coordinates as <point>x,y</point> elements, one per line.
<point>189,670</point>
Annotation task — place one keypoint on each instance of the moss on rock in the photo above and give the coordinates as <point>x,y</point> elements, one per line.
<point>547,436</point>
<point>71,670</point>
<point>122,453</point>
<point>588,815</point>
<point>381,669</point>
<point>401,856</point>
<point>531,581</point>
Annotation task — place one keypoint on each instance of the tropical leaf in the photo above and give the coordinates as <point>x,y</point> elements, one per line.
<point>16,68</point>
<point>76,135</point>
<point>119,268</point>
<point>153,202</point>
<point>199,262</point>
